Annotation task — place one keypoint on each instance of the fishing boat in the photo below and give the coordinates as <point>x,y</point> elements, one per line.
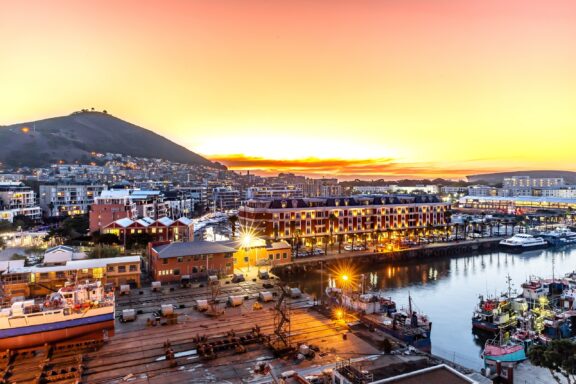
<point>493,315</point>
<point>73,311</point>
<point>409,326</point>
<point>499,349</point>
<point>521,242</point>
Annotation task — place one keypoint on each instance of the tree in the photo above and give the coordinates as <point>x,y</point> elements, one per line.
<point>233,219</point>
<point>332,219</point>
<point>108,239</point>
<point>6,226</point>
<point>138,240</point>
<point>559,356</point>
<point>23,222</point>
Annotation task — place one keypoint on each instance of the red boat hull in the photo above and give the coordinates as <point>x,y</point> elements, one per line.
<point>54,336</point>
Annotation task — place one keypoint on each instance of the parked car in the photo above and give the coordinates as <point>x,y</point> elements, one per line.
<point>359,248</point>
<point>347,247</point>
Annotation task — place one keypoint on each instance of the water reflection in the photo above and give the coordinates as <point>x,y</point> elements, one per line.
<point>447,290</point>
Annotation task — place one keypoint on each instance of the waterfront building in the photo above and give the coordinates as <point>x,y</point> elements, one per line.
<point>170,261</point>
<point>40,280</point>
<point>393,188</point>
<point>317,220</point>
<point>16,199</point>
<point>516,204</point>
<point>68,199</point>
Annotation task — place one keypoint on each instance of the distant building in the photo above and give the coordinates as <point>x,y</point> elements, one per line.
<point>65,199</point>
<point>516,204</point>
<point>225,198</point>
<point>532,182</point>
<point>16,199</point>
<point>274,193</point>
<point>482,190</point>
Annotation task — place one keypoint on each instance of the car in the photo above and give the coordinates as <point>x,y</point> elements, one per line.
<point>318,251</point>
<point>347,247</point>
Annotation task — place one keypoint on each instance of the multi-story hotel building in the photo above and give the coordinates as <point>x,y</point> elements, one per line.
<point>68,199</point>
<point>342,216</point>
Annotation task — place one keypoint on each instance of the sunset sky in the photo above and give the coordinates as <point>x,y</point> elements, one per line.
<point>345,88</point>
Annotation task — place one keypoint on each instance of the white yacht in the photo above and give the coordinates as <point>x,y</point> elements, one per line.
<point>523,242</point>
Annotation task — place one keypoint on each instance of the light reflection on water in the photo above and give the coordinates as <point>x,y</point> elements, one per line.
<point>447,289</point>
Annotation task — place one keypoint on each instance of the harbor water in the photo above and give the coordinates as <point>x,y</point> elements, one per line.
<point>447,289</point>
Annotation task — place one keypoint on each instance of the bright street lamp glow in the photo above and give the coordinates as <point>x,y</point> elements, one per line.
<point>345,277</point>
<point>246,240</point>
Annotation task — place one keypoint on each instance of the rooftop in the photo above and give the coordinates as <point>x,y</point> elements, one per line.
<point>191,248</point>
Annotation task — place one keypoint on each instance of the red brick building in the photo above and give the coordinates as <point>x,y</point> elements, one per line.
<point>163,229</point>
<point>169,261</point>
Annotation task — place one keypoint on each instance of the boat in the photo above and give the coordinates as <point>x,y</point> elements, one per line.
<point>493,315</point>
<point>499,349</point>
<point>73,311</point>
<point>521,242</point>
<point>559,236</point>
<point>409,326</point>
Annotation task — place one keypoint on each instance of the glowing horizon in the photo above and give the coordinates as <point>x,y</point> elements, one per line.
<point>367,88</point>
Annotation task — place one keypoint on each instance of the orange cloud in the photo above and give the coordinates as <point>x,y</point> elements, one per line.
<point>343,168</point>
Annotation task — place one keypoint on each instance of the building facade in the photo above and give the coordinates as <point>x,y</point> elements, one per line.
<point>16,199</point>
<point>110,206</point>
<point>58,200</point>
<point>516,205</point>
<point>197,259</point>
<point>325,219</point>
<point>164,229</point>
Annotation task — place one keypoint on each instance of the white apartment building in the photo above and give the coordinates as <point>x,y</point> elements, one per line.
<point>275,193</point>
<point>68,199</point>
<point>16,199</point>
<point>537,182</point>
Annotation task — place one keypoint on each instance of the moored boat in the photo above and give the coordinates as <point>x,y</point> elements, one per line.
<point>504,351</point>
<point>521,242</point>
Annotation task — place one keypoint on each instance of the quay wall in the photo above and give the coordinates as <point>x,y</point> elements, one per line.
<point>461,248</point>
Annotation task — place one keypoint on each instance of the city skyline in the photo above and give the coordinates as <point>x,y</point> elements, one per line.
<point>344,89</point>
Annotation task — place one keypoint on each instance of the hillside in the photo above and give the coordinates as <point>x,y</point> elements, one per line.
<point>494,178</point>
<point>73,137</point>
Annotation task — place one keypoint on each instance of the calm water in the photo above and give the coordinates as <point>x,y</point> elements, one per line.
<point>447,289</point>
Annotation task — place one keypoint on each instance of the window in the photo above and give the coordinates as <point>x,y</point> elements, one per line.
<point>176,272</point>
<point>194,270</point>
<point>270,256</point>
<point>133,268</point>
<point>164,261</point>
<point>284,255</point>
<point>121,268</point>
<point>110,268</point>
<point>246,259</point>
<point>60,275</point>
<point>277,256</point>
<point>43,276</point>
<point>180,259</point>
<point>228,256</point>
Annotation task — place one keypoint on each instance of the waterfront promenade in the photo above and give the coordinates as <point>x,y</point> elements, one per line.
<point>425,250</point>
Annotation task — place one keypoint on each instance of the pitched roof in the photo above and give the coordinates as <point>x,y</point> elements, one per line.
<point>191,248</point>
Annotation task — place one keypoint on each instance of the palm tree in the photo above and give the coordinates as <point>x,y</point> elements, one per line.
<point>332,219</point>
<point>296,235</point>
<point>326,239</point>
<point>340,240</point>
<point>232,220</point>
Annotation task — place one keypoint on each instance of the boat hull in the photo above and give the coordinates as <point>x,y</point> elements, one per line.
<point>419,340</point>
<point>522,248</point>
<point>512,356</point>
<point>484,326</point>
<point>36,335</point>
